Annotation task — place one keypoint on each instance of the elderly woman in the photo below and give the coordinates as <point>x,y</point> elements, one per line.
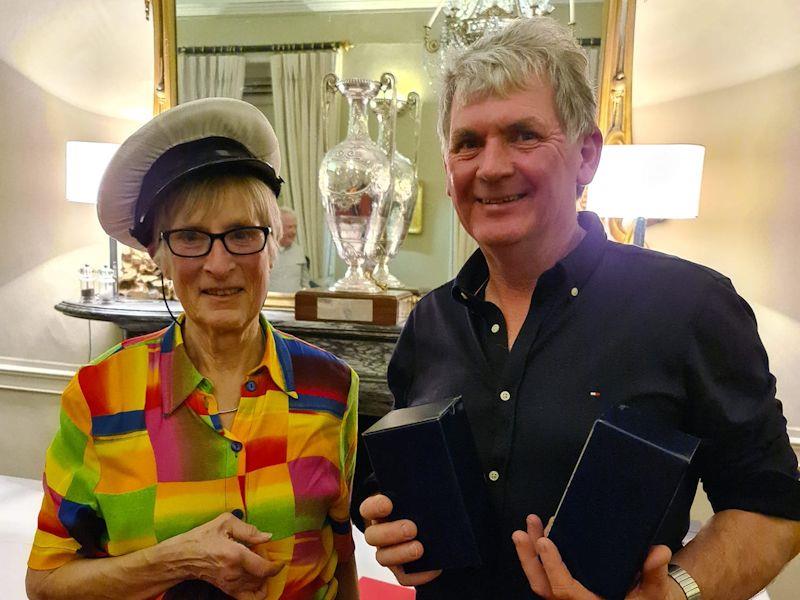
<point>215,456</point>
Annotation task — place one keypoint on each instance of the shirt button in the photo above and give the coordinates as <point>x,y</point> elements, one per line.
<point>236,446</point>
<point>574,292</point>
<point>250,386</point>
<point>505,396</point>
<point>494,475</point>
<point>238,513</point>
<point>495,328</point>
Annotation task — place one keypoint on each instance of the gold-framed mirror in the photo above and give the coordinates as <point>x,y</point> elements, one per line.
<point>383,41</point>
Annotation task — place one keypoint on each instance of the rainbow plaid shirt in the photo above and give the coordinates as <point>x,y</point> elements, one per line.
<point>141,456</point>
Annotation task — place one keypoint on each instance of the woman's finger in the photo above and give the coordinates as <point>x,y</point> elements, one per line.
<point>245,532</point>
<point>257,566</point>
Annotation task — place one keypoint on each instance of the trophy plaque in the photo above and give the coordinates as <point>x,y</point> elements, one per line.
<point>391,307</point>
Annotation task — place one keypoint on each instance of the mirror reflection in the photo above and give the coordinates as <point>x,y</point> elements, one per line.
<point>276,59</point>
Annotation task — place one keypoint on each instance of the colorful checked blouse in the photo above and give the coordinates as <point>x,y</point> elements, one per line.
<point>141,456</point>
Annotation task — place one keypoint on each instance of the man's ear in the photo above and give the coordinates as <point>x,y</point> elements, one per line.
<point>591,148</point>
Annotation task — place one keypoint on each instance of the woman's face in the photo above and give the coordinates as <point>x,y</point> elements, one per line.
<point>220,292</point>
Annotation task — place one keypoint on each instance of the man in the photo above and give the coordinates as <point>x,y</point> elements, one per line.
<point>549,324</point>
<point>290,272</point>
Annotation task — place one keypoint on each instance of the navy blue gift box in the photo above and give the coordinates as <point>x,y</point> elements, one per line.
<point>425,461</point>
<point>619,494</point>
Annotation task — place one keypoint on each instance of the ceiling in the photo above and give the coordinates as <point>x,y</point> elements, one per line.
<point>195,8</point>
<point>94,54</point>
<point>685,48</point>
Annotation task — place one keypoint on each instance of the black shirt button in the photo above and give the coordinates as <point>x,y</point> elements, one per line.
<point>236,446</point>
<point>238,513</point>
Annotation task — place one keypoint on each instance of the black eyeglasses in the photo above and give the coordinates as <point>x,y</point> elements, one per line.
<point>191,243</point>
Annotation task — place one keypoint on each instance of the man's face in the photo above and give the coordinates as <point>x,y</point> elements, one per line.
<point>289,230</point>
<point>512,173</point>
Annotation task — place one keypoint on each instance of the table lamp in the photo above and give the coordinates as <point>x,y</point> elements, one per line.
<point>86,163</point>
<point>647,181</point>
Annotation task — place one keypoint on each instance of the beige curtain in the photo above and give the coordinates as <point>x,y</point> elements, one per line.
<point>463,246</point>
<point>297,96</point>
<point>210,76</point>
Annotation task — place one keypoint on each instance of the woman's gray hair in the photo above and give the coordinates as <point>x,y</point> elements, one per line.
<point>503,63</point>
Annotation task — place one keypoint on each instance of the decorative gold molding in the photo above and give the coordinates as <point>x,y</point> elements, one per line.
<point>616,86</point>
<point>614,108</point>
<point>165,91</point>
<point>138,275</point>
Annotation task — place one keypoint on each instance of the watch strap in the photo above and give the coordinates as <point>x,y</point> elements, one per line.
<point>686,581</point>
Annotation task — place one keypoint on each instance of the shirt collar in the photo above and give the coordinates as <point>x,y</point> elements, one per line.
<point>179,377</point>
<point>577,266</point>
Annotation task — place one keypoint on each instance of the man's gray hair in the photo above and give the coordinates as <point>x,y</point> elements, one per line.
<point>285,210</point>
<point>504,63</point>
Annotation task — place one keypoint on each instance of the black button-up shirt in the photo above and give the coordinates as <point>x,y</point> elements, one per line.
<point>609,324</point>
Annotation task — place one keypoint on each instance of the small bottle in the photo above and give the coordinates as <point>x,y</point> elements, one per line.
<point>105,284</point>
<point>87,279</point>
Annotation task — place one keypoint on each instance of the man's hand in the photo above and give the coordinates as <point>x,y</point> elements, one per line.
<point>218,552</point>
<point>395,540</point>
<point>549,577</point>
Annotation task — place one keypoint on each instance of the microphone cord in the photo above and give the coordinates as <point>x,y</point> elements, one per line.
<point>164,297</point>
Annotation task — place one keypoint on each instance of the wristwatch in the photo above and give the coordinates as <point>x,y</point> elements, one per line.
<point>686,581</point>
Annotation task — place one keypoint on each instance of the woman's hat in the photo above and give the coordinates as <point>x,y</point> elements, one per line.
<point>210,135</point>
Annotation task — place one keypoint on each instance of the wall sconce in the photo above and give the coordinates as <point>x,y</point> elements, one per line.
<point>86,162</point>
<point>647,181</point>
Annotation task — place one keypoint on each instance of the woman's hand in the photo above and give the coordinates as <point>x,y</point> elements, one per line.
<point>549,577</point>
<point>218,552</point>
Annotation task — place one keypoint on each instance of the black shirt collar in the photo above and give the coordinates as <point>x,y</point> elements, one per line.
<point>576,267</point>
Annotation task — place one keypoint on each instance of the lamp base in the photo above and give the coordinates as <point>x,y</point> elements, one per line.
<point>638,232</point>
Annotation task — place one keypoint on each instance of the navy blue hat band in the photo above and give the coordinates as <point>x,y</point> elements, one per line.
<point>218,154</point>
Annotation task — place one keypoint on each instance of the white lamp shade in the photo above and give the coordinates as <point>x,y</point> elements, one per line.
<point>654,181</point>
<point>86,163</point>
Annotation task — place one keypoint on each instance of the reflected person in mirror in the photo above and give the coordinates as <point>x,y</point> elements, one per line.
<point>290,272</point>
<point>549,324</point>
<point>214,458</point>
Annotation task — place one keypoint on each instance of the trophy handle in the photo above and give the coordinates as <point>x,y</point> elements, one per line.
<point>328,93</point>
<point>389,83</point>
<point>414,102</point>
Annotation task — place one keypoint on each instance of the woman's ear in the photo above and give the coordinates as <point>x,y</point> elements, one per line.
<point>162,262</point>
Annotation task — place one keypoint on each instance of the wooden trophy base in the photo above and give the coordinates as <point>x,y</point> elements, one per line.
<point>391,307</point>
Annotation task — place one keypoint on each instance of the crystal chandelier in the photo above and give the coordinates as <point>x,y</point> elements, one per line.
<point>467,20</point>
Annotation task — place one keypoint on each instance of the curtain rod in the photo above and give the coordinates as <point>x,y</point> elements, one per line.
<point>266,48</point>
<point>301,47</point>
